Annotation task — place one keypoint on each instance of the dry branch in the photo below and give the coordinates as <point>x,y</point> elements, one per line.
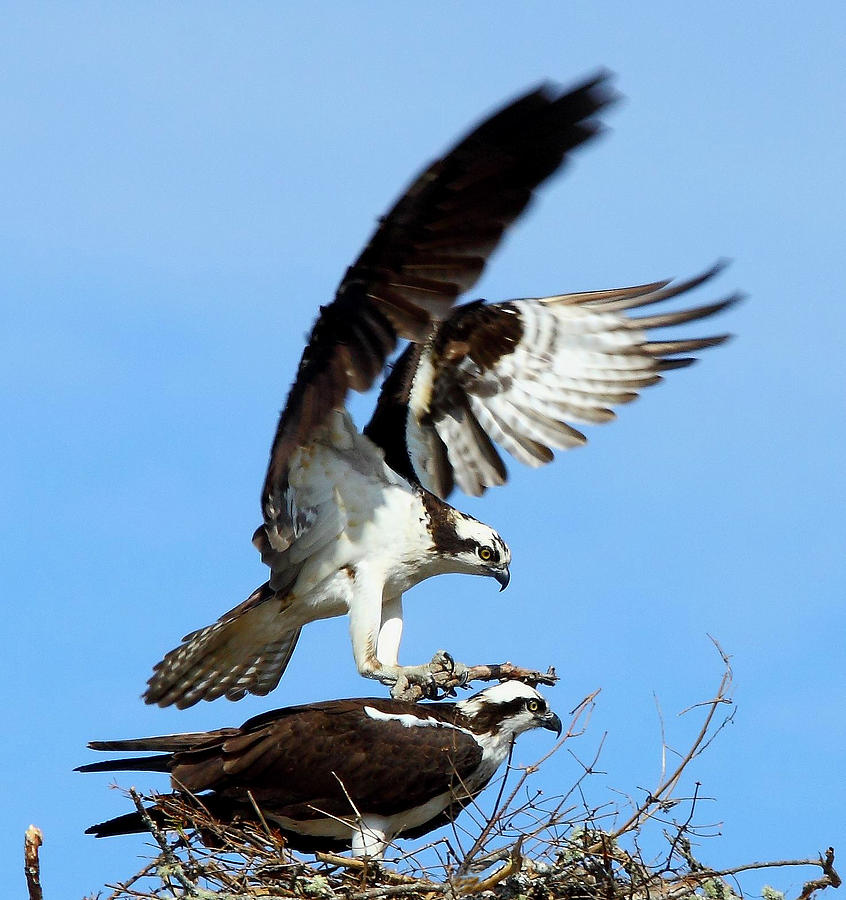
<point>32,866</point>
<point>446,681</point>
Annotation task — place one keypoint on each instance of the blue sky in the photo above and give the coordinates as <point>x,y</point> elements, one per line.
<point>182,185</point>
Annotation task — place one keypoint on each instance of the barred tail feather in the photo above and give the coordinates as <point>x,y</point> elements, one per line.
<point>245,651</point>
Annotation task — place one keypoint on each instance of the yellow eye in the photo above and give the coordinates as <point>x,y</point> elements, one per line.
<point>485,554</point>
<point>532,705</point>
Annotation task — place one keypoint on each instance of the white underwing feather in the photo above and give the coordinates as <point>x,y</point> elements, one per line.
<point>574,358</point>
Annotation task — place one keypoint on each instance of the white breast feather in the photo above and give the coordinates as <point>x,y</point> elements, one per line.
<point>352,499</point>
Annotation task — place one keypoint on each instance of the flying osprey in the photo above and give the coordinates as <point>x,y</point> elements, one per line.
<point>342,772</point>
<point>352,520</point>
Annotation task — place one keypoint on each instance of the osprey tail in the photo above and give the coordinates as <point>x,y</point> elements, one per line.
<point>163,762</point>
<point>131,823</point>
<point>245,651</point>
<point>145,764</point>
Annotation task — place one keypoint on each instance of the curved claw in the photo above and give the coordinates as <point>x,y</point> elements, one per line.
<point>431,688</point>
<point>443,661</point>
<point>441,692</point>
<point>435,681</point>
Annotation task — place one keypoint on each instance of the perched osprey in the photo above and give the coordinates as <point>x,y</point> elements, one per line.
<point>344,772</point>
<point>352,520</point>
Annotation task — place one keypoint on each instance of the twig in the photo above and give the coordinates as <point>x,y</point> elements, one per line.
<point>270,835</point>
<point>448,681</point>
<point>32,866</point>
<point>512,865</point>
<point>501,791</point>
<point>172,860</point>
<point>118,889</point>
<point>422,887</point>
<point>826,865</point>
<point>508,671</point>
<point>353,862</point>
<point>663,736</point>
<point>683,828</point>
<point>699,873</point>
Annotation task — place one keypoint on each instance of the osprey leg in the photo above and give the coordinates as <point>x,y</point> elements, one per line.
<point>369,837</point>
<point>390,632</point>
<point>376,631</point>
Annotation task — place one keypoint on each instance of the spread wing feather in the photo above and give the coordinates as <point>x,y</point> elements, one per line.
<point>431,246</point>
<point>519,374</point>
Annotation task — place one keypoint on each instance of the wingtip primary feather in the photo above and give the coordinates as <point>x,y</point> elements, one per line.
<point>670,348</point>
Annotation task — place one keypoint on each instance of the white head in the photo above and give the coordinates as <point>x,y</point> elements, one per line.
<point>466,545</point>
<point>509,707</point>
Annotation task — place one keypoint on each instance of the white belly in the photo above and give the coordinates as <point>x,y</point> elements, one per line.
<point>360,512</point>
<point>342,828</point>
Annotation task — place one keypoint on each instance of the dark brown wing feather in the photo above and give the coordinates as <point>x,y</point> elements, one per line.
<point>429,248</point>
<point>327,756</point>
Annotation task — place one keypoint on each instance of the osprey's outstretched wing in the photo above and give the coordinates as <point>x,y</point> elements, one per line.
<point>518,374</point>
<point>427,250</point>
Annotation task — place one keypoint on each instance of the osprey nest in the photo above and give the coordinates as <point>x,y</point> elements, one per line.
<point>530,843</point>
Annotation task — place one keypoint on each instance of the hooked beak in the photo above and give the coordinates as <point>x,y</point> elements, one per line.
<point>503,576</point>
<point>552,723</point>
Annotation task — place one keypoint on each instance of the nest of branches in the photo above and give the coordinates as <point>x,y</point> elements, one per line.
<point>526,846</point>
